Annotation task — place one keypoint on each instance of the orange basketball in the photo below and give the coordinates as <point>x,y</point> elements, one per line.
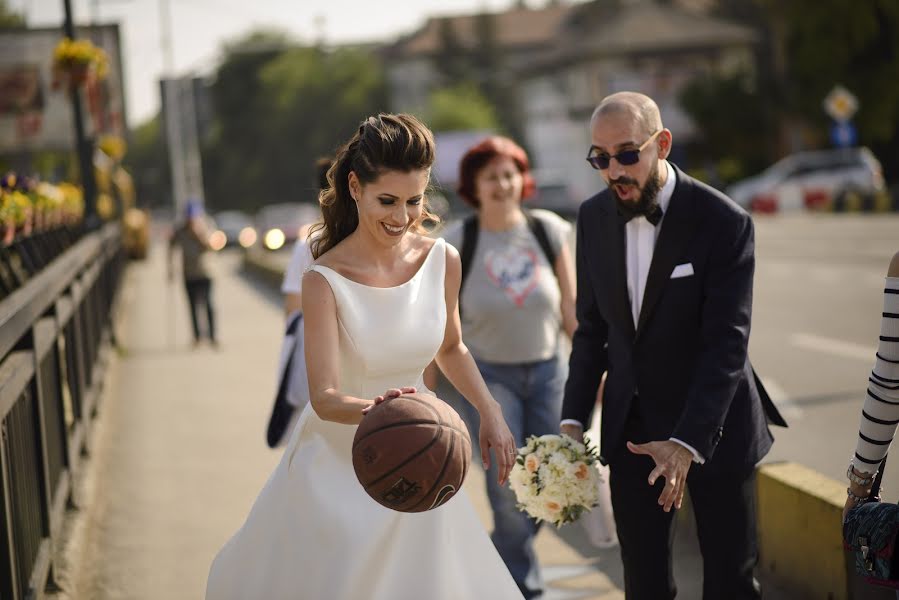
<point>411,453</point>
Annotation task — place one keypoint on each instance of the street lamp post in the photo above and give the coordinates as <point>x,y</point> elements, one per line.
<point>83,145</point>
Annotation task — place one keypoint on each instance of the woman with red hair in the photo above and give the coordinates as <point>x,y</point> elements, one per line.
<point>517,293</point>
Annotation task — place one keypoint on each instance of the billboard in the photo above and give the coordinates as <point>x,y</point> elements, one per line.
<point>33,115</point>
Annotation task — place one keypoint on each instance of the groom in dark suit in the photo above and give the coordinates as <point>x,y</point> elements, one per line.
<point>664,299</point>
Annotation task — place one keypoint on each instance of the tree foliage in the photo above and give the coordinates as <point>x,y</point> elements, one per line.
<point>460,107</point>
<point>277,108</point>
<point>806,48</point>
<point>147,160</point>
<point>8,18</point>
<point>736,128</point>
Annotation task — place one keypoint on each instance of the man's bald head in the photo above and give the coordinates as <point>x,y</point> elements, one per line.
<point>641,108</point>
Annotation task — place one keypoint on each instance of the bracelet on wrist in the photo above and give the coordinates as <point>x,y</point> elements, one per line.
<point>856,498</point>
<point>862,478</point>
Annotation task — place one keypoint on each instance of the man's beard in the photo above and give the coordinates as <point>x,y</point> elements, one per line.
<point>648,192</point>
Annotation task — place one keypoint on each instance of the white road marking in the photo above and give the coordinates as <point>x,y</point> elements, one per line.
<point>843,349</point>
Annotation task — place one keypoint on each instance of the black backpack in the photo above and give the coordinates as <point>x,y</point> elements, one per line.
<point>470,242</point>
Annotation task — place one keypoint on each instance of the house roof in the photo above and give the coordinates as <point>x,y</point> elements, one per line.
<point>648,25</point>
<point>640,27</point>
<point>519,27</point>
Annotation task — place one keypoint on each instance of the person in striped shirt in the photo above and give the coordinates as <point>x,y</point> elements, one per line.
<point>880,413</point>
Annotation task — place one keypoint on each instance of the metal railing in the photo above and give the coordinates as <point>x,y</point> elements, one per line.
<point>52,327</point>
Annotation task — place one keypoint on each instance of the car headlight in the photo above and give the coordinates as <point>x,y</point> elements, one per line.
<point>274,239</point>
<point>247,237</point>
<point>217,240</point>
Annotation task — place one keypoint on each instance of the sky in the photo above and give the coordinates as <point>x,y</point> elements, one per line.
<point>200,28</point>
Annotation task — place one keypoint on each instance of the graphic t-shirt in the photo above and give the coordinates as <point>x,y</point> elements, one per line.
<point>510,302</point>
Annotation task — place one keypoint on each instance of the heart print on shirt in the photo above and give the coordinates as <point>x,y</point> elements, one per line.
<point>513,269</point>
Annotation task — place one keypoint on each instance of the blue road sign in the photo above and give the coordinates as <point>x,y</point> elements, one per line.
<point>843,134</point>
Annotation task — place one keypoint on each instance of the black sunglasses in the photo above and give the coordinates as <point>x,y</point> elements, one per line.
<point>625,157</point>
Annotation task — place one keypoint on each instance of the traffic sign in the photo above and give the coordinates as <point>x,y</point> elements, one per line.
<point>840,104</point>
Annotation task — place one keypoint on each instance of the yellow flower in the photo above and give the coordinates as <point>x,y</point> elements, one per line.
<point>532,463</point>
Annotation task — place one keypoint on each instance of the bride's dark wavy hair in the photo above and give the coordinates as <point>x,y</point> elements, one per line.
<point>383,143</point>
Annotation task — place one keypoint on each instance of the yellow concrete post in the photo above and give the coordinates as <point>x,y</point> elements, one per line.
<point>800,539</point>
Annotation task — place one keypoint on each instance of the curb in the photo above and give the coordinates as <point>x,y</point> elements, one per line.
<point>258,264</point>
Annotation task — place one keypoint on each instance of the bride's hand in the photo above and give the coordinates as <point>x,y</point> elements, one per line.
<point>495,434</point>
<point>391,393</point>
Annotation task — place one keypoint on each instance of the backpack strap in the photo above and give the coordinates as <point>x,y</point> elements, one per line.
<point>470,230</point>
<point>469,242</point>
<point>539,230</point>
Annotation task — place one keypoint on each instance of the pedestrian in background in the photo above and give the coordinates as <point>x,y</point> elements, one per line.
<point>192,239</point>
<point>293,387</point>
<point>517,294</point>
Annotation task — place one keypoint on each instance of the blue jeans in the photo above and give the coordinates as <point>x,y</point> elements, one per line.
<point>530,395</point>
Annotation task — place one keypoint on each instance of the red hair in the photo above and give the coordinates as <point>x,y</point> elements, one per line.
<point>477,158</point>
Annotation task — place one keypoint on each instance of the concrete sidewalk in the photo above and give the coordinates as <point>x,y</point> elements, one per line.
<point>179,453</point>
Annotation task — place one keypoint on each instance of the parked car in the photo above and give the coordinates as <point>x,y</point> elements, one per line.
<point>813,179</point>
<point>237,228</point>
<point>281,224</point>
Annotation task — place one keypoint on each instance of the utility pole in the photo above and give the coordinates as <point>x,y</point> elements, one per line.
<point>84,146</point>
<point>180,114</point>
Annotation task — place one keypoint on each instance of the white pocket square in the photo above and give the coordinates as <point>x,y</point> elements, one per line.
<point>684,270</point>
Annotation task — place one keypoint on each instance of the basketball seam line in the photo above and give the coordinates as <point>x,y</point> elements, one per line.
<point>446,461</point>
<point>408,460</point>
<point>415,422</point>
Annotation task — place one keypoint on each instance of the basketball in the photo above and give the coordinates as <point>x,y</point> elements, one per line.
<point>411,453</point>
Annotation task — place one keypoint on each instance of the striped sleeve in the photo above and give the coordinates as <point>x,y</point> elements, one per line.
<point>880,414</point>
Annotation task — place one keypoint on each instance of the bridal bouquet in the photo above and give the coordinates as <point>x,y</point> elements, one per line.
<point>555,478</point>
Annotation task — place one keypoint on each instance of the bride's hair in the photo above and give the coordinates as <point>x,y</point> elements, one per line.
<point>382,143</point>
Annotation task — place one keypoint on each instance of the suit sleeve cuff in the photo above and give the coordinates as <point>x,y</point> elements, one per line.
<point>574,422</point>
<point>697,457</point>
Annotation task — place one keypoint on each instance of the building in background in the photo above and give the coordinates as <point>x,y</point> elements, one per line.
<point>642,46</point>
<point>561,59</point>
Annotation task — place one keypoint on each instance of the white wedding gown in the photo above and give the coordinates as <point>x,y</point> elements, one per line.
<point>313,533</point>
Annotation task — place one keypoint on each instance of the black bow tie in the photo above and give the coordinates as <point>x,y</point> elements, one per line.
<point>653,212</point>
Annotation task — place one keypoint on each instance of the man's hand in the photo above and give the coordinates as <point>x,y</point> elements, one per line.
<point>576,432</point>
<point>673,463</point>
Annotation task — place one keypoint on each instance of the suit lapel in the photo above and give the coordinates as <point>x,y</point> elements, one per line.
<point>677,229</point>
<point>612,253</point>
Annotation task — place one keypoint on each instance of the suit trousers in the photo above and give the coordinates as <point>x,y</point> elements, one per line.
<point>724,507</point>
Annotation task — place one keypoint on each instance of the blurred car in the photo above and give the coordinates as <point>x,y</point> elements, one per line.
<point>810,180</point>
<point>237,228</point>
<point>281,224</point>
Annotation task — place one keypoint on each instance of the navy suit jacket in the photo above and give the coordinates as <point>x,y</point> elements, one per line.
<point>687,356</point>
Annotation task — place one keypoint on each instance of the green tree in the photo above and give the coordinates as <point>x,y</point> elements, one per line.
<point>232,171</point>
<point>10,19</point>
<point>460,107</point>
<point>481,66</point>
<point>277,109</point>
<point>734,123</point>
<point>147,160</point>
<point>829,42</point>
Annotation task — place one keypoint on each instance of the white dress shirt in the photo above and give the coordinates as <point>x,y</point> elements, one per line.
<point>641,236</point>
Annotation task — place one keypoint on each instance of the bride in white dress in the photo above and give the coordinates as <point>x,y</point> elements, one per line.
<point>379,304</point>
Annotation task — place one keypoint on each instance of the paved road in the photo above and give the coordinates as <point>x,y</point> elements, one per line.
<point>818,299</point>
